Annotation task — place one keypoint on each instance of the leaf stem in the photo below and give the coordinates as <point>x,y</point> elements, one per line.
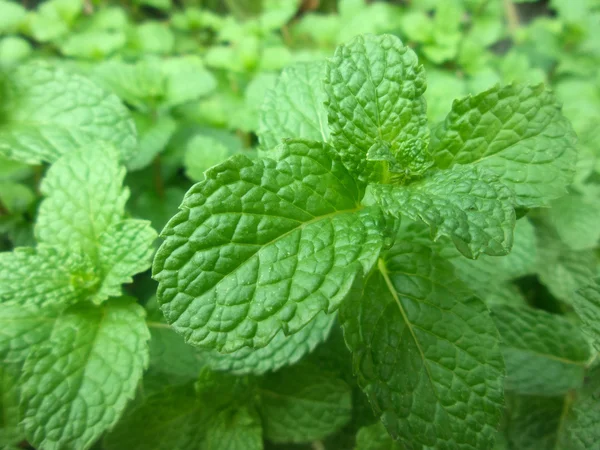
<point>512,16</point>
<point>159,184</point>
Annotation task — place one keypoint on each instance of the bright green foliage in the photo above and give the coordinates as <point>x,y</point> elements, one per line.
<point>281,351</point>
<point>294,108</point>
<point>466,204</point>
<point>48,112</point>
<point>375,99</point>
<point>10,431</point>
<point>516,132</point>
<point>376,437</point>
<point>582,233</point>
<point>302,404</point>
<point>201,154</point>
<point>544,353</point>
<point>297,239</point>
<point>76,384</point>
<point>45,276</point>
<point>586,303</point>
<point>425,352</point>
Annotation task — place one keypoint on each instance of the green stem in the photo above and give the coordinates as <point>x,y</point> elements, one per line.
<point>512,16</point>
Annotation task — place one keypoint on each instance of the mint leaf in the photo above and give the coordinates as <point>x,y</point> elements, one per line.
<point>581,424</point>
<point>126,248</point>
<point>45,277</point>
<point>375,89</point>
<point>425,352</point>
<point>154,135</point>
<point>518,133</point>
<point>561,269</point>
<point>466,204</point>
<point>166,420</point>
<point>201,154</point>
<point>281,351</point>
<point>295,107</point>
<point>376,437</point>
<point>587,306</point>
<point>48,112</point>
<point>22,328</point>
<point>75,385</point>
<point>233,429</point>
<point>303,404</point>
<point>84,198</point>
<point>544,353</point>
<point>10,431</point>
<point>583,232</point>
<point>262,246</point>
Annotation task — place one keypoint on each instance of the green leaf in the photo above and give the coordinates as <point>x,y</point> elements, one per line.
<point>10,430</point>
<point>76,384</point>
<point>47,112</point>
<point>487,273</point>
<point>466,204</point>
<point>166,420</point>
<point>12,15</point>
<point>201,154</point>
<point>376,437</point>
<point>126,248</point>
<point>375,89</point>
<point>581,430</point>
<point>262,246</point>
<point>45,277</point>
<point>295,107</point>
<point>93,44</point>
<point>303,404</point>
<point>154,137</point>
<point>425,352</point>
<point>561,269</point>
<point>281,351</point>
<point>586,302</point>
<point>544,353</point>
<point>21,329</point>
<point>186,79</point>
<point>518,133</point>
<point>233,429</point>
<point>583,232</point>
<point>84,198</point>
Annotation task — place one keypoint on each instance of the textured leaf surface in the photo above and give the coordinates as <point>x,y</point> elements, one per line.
<point>77,383</point>
<point>48,112</point>
<point>281,351</point>
<point>425,352</point>
<point>486,273</point>
<point>466,204</point>
<point>263,246</point>
<point>518,133</point>
<point>10,431</point>
<point>544,353</point>
<point>581,431</point>
<point>375,89</point>
<point>233,429</point>
<point>84,197</point>
<point>125,249</point>
<point>303,404</point>
<point>44,276</point>
<point>166,420</point>
<point>576,219</point>
<point>21,329</point>
<point>587,305</point>
<point>295,107</point>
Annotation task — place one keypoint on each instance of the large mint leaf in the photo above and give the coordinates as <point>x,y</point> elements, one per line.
<point>262,246</point>
<point>544,353</point>
<point>76,384</point>
<point>47,112</point>
<point>303,404</point>
<point>466,204</point>
<point>166,420</point>
<point>586,302</point>
<point>281,351</point>
<point>518,133</point>
<point>84,198</point>
<point>21,328</point>
<point>375,89</point>
<point>233,429</point>
<point>45,277</point>
<point>295,107</point>
<point>376,437</point>
<point>582,232</point>
<point>10,430</point>
<point>426,352</point>
<point>125,249</point>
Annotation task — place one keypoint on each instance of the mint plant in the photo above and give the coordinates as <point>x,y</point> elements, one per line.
<point>76,344</point>
<point>262,247</point>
